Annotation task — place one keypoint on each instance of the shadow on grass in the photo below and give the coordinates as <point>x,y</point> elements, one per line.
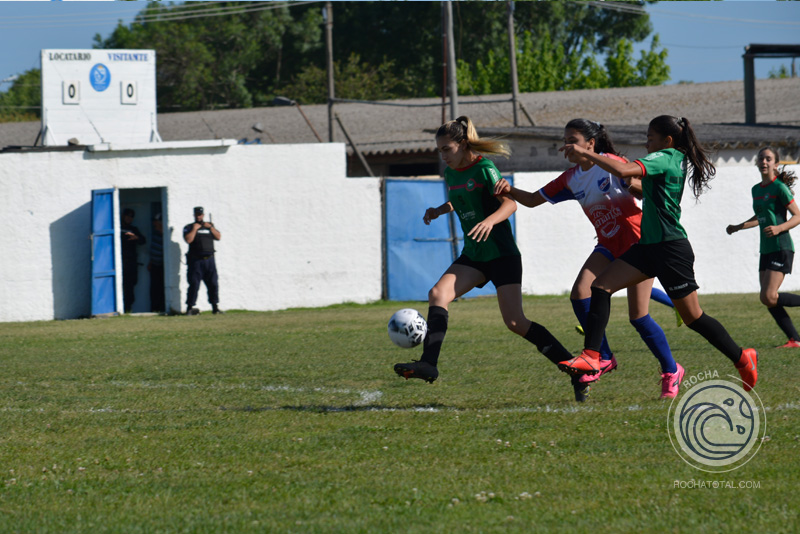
<point>325,408</point>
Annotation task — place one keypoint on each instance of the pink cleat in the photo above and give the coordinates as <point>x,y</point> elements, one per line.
<point>670,383</point>
<point>606,366</point>
<point>791,344</point>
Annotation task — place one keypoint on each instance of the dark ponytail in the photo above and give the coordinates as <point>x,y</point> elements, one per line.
<point>787,177</point>
<point>684,140</point>
<point>593,130</point>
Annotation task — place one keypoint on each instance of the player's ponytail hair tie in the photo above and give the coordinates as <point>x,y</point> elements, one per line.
<point>682,122</point>
<point>597,124</point>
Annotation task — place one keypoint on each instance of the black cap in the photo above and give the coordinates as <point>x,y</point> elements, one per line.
<point>198,210</point>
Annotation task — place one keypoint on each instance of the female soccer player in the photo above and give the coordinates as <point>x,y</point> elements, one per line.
<point>663,250</point>
<point>771,199</point>
<point>613,211</point>
<point>490,252</point>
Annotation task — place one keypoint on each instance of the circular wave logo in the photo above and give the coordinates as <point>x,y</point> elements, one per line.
<point>715,426</point>
<point>100,77</point>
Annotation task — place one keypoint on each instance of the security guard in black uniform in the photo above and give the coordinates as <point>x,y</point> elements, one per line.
<point>200,261</point>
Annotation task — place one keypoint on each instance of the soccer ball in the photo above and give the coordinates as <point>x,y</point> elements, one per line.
<point>407,328</point>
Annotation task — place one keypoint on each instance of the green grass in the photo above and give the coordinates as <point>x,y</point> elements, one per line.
<point>293,421</point>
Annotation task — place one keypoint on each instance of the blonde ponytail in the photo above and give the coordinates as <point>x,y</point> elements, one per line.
<point>462,128</point>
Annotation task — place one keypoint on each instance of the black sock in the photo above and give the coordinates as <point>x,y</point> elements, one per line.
<point>437,328</point>
<point>788,300</point>
<point>784,321</point>
<point>547,343</point>
<point>597,319</point>
<point>715,333</point>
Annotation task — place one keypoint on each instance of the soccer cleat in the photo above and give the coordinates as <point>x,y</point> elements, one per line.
<point>748,368</point>
<point>579,329</point>
<point>606,366</point>
<point>584,363</point>
<point>678,318</point>
<point>791,344</point>
<point>417,369</point>
<point>581,389</point>
<point>670,383</point>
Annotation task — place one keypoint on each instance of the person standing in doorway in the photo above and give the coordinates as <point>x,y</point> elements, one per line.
<point>131,238</point>
<point>156,265</point>
<point>201,267</point>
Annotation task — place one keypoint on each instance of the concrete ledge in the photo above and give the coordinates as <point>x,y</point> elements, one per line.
<point>169,145</point>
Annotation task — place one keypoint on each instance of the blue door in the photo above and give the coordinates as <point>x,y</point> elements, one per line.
<point>104,272</point>
<point>416,254</point>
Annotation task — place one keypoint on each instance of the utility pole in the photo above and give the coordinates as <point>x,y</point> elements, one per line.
<point>512,49</point>
<point>328,17</point>
<point>444,65</point>
<point>452,81</point>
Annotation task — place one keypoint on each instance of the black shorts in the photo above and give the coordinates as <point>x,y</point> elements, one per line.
<point>672,262</point>
<point>780,261</point>
<point>501,271</point>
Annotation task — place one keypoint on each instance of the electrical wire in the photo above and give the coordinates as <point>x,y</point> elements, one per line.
<point>168,16</point>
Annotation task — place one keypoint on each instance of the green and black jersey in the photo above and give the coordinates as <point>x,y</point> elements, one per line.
<point>663,179</point>
<point>769,204</point>
<point>471,192</point>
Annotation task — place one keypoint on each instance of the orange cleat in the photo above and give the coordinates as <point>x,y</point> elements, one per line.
<point>791,344</point>
<point>748,368</point>
<point>587,363</point>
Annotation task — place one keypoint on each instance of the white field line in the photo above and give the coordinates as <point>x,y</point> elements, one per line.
<point>367,398</point>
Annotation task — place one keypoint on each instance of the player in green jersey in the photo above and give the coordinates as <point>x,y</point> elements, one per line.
<point>663,250</point>
<point>490,253</point>
<point>772,197</point>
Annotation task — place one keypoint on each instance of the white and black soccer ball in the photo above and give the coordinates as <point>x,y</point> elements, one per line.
<point>407,328</point>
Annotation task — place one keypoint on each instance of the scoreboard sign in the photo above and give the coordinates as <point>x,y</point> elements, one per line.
<point>99,96</point>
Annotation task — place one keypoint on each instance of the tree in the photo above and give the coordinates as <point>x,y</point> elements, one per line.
<point>409,35</point>
<point>23,101</point>
<point>356,80</point>
<point>236,60</point>
<point>544,65</point>
<point>384,49</point>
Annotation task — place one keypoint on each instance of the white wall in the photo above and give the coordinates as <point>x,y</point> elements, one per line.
<point>555,240</point>
<point>295,230</point>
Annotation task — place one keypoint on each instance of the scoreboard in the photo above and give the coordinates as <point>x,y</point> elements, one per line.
<point>99,96</point>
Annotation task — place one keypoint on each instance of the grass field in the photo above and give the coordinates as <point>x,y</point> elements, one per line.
<point>293,421</point>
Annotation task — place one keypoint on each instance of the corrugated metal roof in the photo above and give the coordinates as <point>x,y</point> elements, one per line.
<point>717,109</point>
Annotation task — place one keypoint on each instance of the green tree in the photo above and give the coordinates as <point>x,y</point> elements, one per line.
<point>356,80</point>
<point>236,60</point>
<point>780,72</point>
<point>409,34</point>
<point>245,59</point>
<point>22,102</point>
<point>544,65</point>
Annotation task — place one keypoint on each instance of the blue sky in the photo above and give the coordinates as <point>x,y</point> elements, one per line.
<point>705,39</point>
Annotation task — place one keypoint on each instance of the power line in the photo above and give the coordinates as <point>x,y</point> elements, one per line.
<point>161,17</point>
<point>639,10</point>
<point>722,19</point>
